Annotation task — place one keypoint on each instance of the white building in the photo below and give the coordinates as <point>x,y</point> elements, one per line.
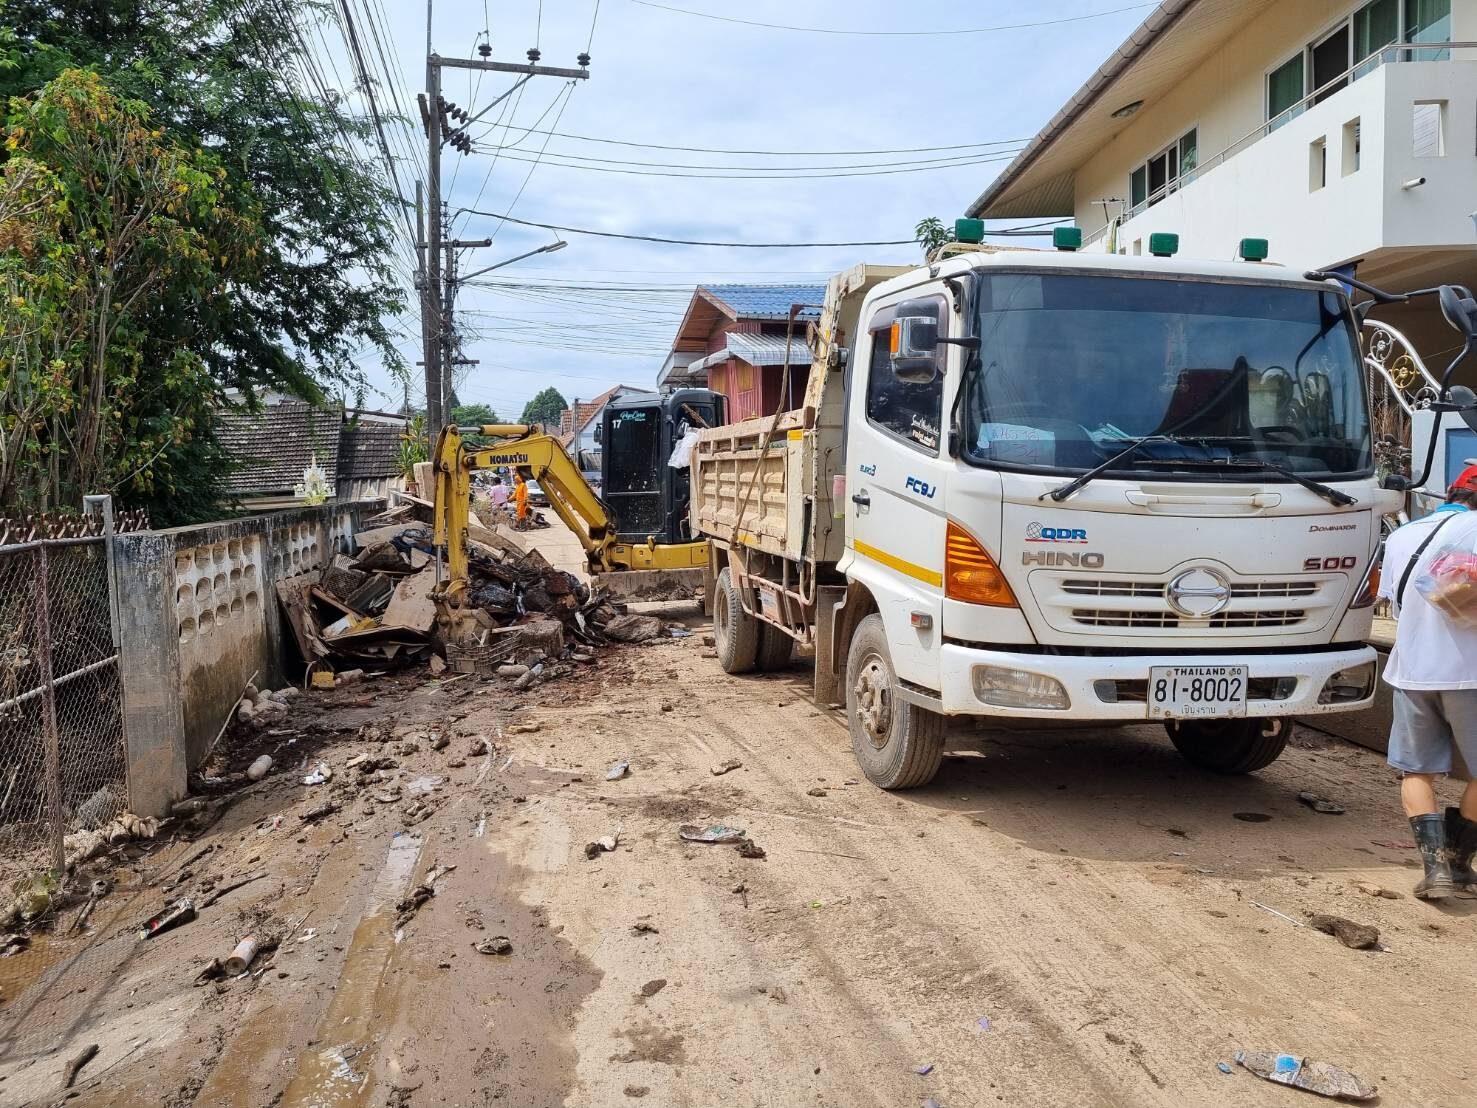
<point>1343,133</point>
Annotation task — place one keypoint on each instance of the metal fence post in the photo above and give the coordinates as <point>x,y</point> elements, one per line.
<point>48,701</point>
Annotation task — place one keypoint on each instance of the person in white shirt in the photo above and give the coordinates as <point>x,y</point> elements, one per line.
<point>1433,670</point>
<point>499,495</point>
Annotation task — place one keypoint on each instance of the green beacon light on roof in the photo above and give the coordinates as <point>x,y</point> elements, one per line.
<point>1253,250</point>
<point>969,230</point>
<point>1067,238</point>
<point>1164,245</point>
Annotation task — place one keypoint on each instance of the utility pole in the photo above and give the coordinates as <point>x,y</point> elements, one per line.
<point>439,277</point>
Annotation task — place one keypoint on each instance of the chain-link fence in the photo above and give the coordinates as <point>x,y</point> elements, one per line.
<point>62,757</point>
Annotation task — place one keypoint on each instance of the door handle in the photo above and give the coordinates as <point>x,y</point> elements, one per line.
<point>861,499</point>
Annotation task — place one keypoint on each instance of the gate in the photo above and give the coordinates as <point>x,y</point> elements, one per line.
<point>63,764</point>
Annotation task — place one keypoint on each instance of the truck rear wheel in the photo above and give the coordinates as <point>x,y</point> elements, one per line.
<point>898,744</point>
<point>775,648</point>
<point>735,632</point>
<point>1229,745</point>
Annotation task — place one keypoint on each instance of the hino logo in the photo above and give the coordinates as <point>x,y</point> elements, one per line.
<point>1198,593</point>
<point>1061,558</point>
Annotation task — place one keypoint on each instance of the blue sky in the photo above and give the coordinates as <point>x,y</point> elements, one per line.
<point>662,77</point>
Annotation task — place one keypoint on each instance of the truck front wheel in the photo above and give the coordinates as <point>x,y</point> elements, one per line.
<point>898,744</point>
<point>1229,745</point>
<point>735,632</point>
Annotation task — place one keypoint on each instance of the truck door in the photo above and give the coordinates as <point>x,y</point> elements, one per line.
<point>895,497</point>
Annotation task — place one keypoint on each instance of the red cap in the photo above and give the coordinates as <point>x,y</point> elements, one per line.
<point>1466,479</point>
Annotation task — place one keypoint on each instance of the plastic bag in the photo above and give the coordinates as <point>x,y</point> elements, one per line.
<point>682,452</point>
<point>1448,580</point>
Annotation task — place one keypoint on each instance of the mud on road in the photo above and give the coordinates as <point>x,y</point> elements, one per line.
<point>1057,919</point>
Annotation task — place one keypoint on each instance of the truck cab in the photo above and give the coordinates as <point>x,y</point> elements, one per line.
<point>647,496</point>
<point>1093,489</point>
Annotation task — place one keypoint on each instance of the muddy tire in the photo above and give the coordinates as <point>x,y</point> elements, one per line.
<point>775,648</point>
<point>1229,745</point>
<point>735,632</point>
<point>898,745</point>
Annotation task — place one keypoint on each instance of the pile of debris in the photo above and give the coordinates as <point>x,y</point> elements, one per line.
<point>378,607</point>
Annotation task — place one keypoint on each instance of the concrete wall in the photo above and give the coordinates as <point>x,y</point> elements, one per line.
<point>1267,189</point>
<point>198,616</point>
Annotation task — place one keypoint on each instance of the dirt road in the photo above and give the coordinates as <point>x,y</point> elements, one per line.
<point>1058,919</point>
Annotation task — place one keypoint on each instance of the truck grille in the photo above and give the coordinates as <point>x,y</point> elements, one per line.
<point>1077,602</point>
<point>1096,617</point>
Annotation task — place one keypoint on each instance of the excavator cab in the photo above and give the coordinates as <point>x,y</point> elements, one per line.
<point>646,494</point>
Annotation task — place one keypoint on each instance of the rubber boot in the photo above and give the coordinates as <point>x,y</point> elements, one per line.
<point>1461,845</point>
<point>1430,839</point>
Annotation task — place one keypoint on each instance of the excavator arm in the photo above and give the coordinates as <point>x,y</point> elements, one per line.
<point>570,497</point>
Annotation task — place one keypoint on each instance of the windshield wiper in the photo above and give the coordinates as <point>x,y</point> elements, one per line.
<point>1336,497</point>
<point>1061,492</point>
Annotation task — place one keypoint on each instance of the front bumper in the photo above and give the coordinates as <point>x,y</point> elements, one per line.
<point>1080,676</point>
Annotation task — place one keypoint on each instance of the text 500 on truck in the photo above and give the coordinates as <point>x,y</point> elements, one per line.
<point>1051,486</point>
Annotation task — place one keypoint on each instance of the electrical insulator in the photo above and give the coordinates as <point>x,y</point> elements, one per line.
<point>584,60</point>
<point>485,49</point>
<point>534,55</point>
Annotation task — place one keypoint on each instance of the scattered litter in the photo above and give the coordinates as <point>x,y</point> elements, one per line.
<point>748,848</point>
<point>617,771</point>
<point>85,1055</point>
<point>481,827</point>
<point>240,959</point>
<point>213,971</point>
<point>1323,1078</point>
<point>423,786</point>
<point>259,768</point>
<point>726,767</point>
<point>651,988</point>
<point>498,944</point>
<point>931,1103</point>
<point>1320,804</point>
<point>632,628</point>
<point>603,845</point>
<point>1368,888</point>
<point>1394,844</point>
<point>525,728</point>
<point>440,741</point>
<point>1251,817</point>
<point>357,759</point>
<point>1355,936</point>
<point>437,872</point>
<point>1224,1067</point>
<point>984,1023</point>
<point>314,814</point>
<point>178,914</point>
<point>13,944</point>
<point>320,775</point>
<point>410,905</point>
<point>718,833</point>
<point>1279,915</point>
<point>815,792</point>
<point>923,1070</point>
<point>642,927</point>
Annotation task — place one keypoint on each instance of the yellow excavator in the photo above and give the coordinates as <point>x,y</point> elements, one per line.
<point>642,432</point>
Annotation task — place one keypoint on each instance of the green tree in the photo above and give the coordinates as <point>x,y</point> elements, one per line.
<point>105,221</point>
<point>473,415</point>
<point>317,288</point>
<point>931,233</point>
<point>545,407</point>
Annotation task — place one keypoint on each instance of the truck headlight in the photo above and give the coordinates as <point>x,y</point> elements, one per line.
<point>1348,685</point>
<point>1017,688</point>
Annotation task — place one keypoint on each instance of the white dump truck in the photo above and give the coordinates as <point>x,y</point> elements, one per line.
<point>1064,488</point>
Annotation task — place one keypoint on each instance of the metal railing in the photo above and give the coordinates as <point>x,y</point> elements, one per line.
<point>1386,55</point>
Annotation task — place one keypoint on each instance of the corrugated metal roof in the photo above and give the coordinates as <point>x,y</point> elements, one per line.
<point>766,301</point>
<point>756,350</point>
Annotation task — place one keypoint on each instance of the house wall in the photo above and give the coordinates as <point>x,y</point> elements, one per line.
<point>1225,98</point>
<point>198,616</point>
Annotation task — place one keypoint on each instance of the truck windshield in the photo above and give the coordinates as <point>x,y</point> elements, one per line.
<point>1072,368</point>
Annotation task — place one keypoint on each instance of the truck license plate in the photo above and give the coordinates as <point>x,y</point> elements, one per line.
<point>1196,692</point>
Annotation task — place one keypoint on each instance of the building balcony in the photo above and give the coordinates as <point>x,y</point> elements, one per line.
<point>1382,171</point>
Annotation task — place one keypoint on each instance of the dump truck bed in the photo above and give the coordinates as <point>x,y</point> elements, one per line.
<point>770,483</point>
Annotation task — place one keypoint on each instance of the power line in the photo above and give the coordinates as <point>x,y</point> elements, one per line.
<point>687,242</point>
<point>767,175</point>
<point>889,34</point>
<point>772,153</point>
<point>924,163</point>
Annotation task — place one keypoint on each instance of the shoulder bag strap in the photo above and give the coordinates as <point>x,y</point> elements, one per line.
<point>1416,557</point>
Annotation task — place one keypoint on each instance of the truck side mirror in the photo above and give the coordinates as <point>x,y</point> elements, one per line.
<point>597,432</point>
<point>914,341</point>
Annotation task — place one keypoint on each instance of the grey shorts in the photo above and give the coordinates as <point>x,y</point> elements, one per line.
<point>1429,724</point>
